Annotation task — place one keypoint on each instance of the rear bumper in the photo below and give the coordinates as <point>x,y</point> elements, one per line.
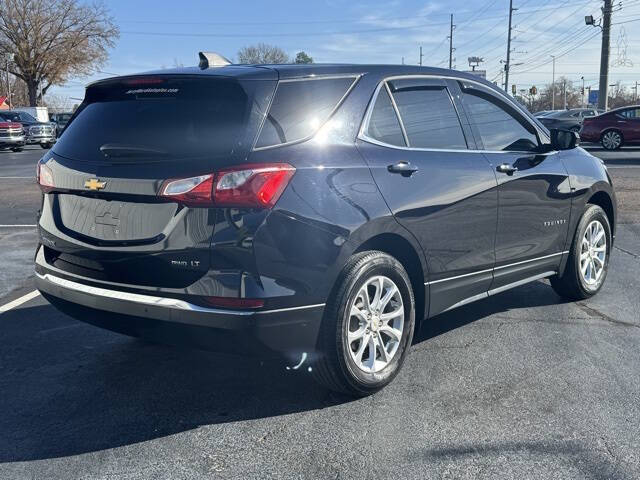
<point>282,332</point>
<point>288,332</point>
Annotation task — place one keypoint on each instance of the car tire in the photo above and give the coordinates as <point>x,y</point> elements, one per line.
<point>612,140</point>
<point>46,145</point>
<point>588,261</point>
<point>17,149</point>
<point>386,329</point>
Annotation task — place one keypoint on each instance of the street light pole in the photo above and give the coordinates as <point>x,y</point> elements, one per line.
<point>553,84</point>
<point>507,65</point>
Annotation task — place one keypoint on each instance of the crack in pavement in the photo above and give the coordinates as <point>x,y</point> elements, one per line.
<point>626,251</point>
<point>593,312</point>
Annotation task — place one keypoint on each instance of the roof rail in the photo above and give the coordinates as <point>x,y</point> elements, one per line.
<point>212,59</point>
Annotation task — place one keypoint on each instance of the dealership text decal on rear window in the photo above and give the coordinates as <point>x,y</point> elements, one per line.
<point>151,90</point>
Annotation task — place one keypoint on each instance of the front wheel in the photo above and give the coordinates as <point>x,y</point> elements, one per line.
<point>588,261</point>
<point>367,326</point>
<point>611,140</point>
<point>46,145</point>
<point>17,149</point>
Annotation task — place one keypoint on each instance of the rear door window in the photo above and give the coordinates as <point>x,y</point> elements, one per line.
<point>300,108</point>
<point>429,117</point>
<point>384,125</point>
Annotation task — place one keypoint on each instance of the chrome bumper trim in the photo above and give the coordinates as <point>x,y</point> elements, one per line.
<point>165,302</point>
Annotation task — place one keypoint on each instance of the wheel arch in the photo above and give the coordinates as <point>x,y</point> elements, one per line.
<point>604,201</point>
<point>402,250</point>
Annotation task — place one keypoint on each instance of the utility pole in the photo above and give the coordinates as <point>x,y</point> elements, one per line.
<point>603,96</point>
<point>451,43</point>
<point>635,96</point>
<point>553,84</point>
<point>564,91</point>
<point>506,65</point>
<point>583,102</point>
<point>421,56</point>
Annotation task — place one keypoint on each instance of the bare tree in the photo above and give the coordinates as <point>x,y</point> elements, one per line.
<point>53,40</point>
<point>262,53</point>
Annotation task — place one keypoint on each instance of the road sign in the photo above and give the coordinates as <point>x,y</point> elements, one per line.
<point>479,73</point>
<point>593,97</point>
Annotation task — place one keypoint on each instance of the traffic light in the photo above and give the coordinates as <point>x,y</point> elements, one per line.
<point>513,89</point>
<point>582,91</point>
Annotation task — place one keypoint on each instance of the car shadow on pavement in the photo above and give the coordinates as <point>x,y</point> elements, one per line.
<point>535,294</point>
<point>70,388</point>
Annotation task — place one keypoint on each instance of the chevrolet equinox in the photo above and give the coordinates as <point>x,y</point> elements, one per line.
<point>315,212</point>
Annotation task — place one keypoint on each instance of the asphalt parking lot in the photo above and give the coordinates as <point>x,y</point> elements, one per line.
<point>523,385</point>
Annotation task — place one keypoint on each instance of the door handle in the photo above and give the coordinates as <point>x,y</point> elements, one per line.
<point>403,168</point>
<point>506,168</point>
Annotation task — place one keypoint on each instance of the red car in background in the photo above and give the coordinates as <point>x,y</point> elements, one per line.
<point>613,129</point>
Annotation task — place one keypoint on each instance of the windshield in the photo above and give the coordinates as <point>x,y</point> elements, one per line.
<point>166,117</point>
<point>18,117</point>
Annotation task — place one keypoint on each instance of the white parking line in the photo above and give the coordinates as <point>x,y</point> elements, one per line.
<point>19,301</point>
<point>32,177</point>
<point>18,226</point>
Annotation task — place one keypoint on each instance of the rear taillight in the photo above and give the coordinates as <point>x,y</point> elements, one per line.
<point>45,178</point>
<point>249,186</point>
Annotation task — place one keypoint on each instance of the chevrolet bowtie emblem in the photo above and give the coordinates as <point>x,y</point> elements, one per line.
<point>94,184</point>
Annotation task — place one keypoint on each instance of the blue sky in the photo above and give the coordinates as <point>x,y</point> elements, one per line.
<point>160,33</point>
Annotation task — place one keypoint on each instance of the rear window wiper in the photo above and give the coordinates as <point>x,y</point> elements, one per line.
<point>115,150</point>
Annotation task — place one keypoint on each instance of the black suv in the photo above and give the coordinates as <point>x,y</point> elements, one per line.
<point>319,212</point>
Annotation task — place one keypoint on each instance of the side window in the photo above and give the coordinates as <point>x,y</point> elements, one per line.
<point>633,113</point>
<point>498,128</point>
<point>383,124</point>
<point>299,108</point>
<point>429,117</point>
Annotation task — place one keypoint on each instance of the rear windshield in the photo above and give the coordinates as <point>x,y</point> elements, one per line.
<point>166,118</point>
<point>300,107</point>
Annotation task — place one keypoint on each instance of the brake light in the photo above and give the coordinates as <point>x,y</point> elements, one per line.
<point>249,186</point>
<point>45,178</point>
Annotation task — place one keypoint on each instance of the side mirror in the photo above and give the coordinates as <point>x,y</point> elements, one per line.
<point>564,139</point>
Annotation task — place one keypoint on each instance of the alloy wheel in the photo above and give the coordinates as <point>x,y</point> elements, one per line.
<point>593,252</point>
<point>376,322</point>
<point>611,140</point>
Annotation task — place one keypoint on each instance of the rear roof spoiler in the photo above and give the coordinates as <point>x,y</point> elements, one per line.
<point>212,59</point>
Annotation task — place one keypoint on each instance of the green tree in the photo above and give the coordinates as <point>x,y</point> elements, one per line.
<point>302,57</point>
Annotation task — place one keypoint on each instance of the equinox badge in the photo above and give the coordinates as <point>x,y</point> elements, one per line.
<point>94,184</point>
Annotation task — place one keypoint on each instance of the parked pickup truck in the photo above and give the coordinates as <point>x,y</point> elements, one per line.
<point>36,132</point>
<point>12,136</point>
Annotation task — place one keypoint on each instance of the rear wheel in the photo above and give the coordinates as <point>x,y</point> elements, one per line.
<point>588,260</point>
<point>17,149</point>
<point>46,145</point>
<point>611,140</point>
<point>367,326</point>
